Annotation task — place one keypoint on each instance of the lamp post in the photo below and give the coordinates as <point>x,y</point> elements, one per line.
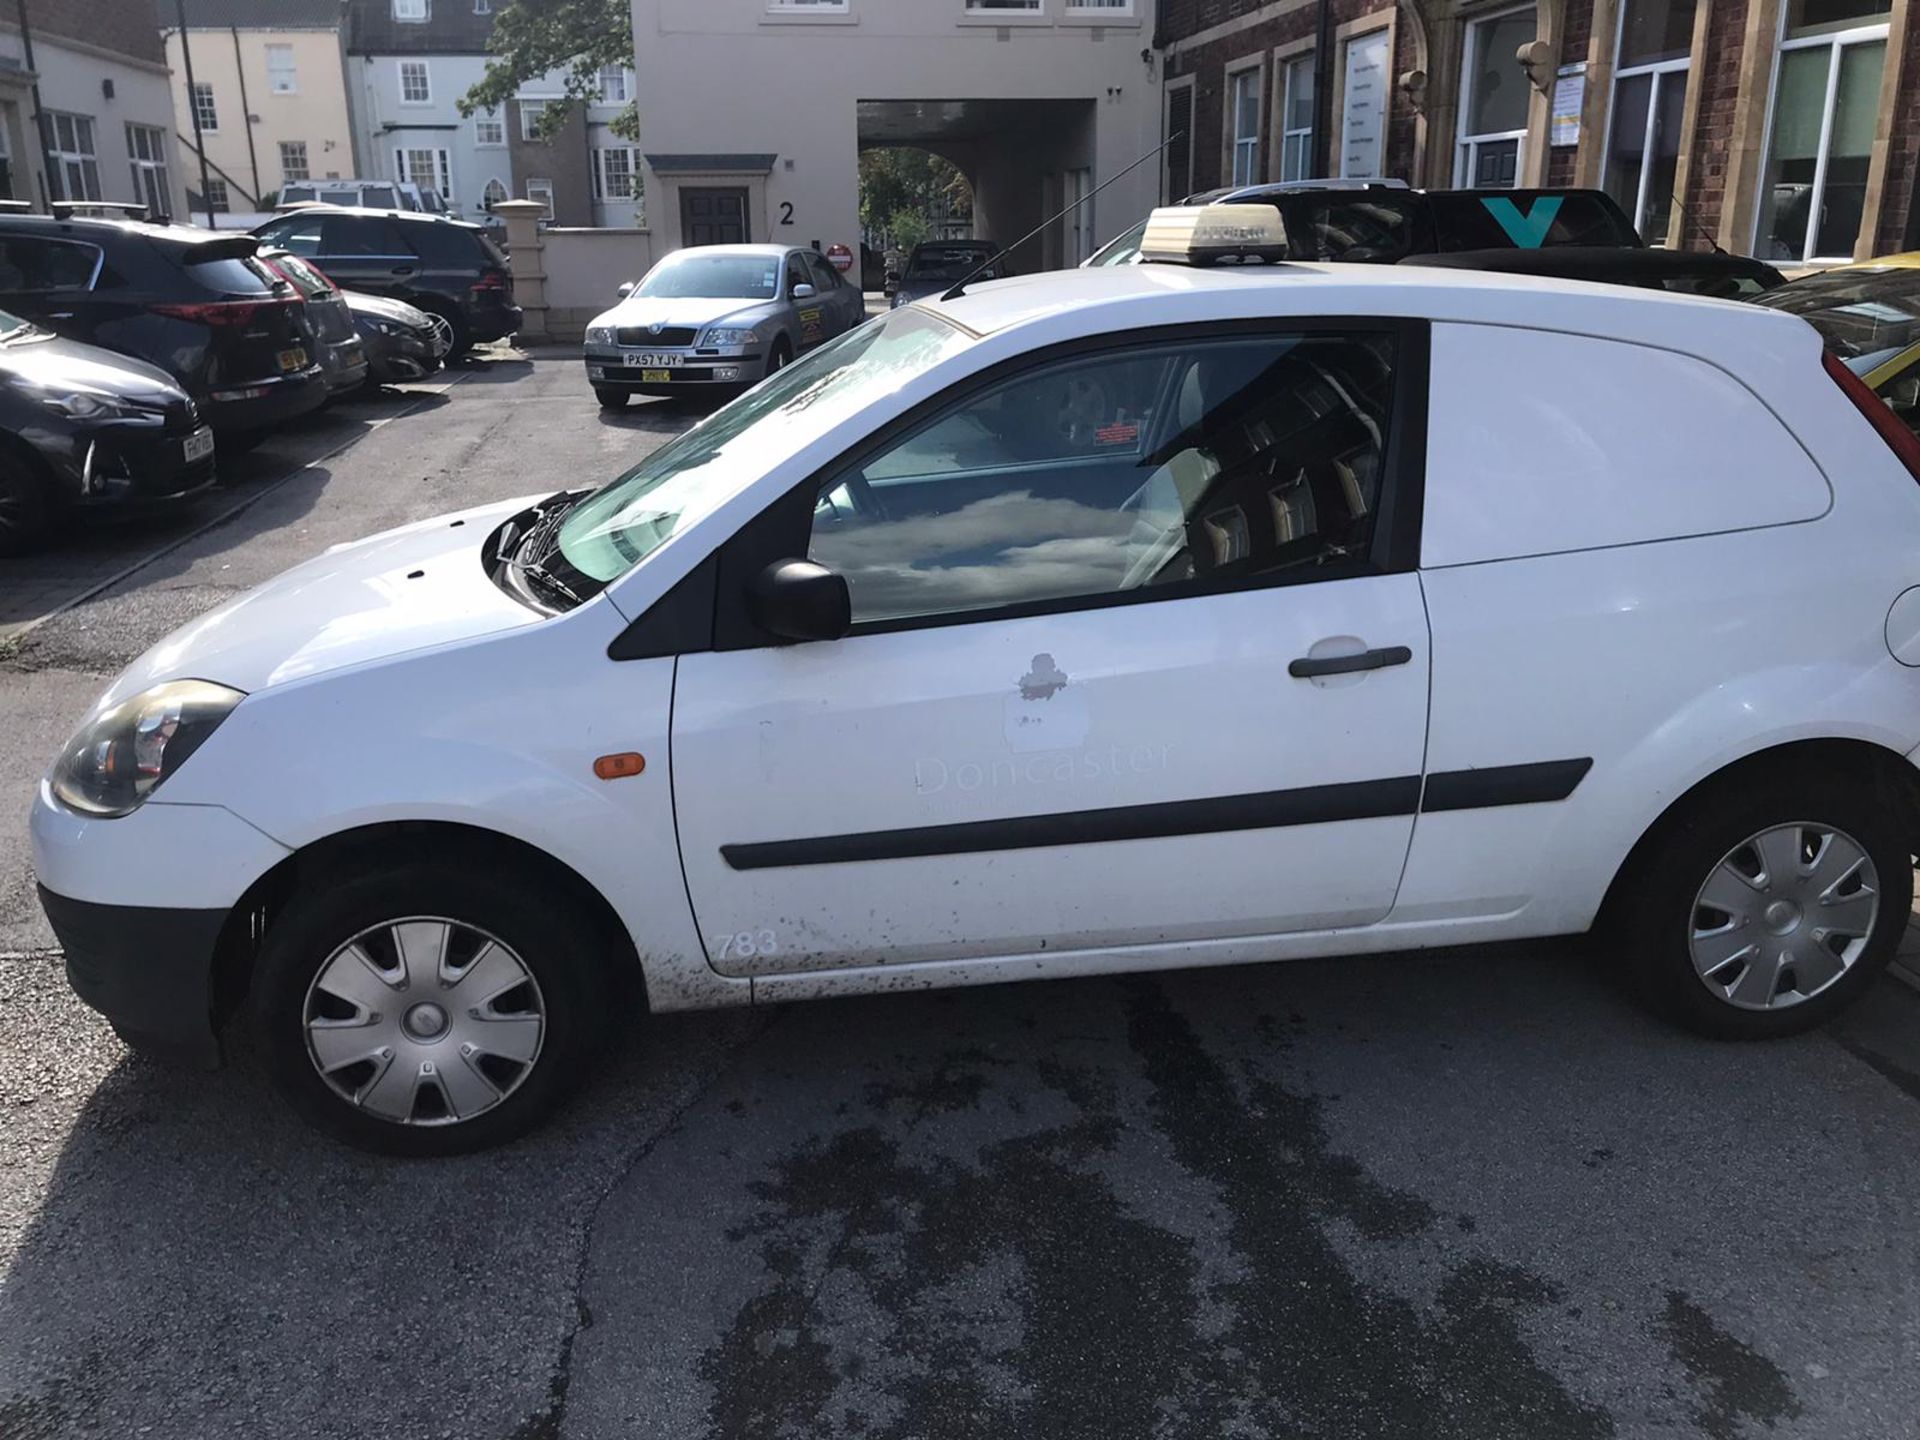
<point>39,115</point>
<point>193,109</point>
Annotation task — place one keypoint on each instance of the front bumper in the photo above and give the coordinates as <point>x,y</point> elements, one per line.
<point>148,970</point>
<point>402,357</point>
<point>689,368</point>
<point>123,468</point>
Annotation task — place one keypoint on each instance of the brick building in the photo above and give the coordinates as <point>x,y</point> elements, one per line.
<point>1784,128</point>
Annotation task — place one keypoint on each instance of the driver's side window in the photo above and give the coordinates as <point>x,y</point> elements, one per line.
<point>1196,461</point>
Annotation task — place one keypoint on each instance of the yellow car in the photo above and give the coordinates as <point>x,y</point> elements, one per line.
<point>1869,315</point>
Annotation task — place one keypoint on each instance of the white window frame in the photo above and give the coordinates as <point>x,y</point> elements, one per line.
<point>807,7</point>
<point>1248,144</point>
<point>426,81</point>
<point>490,116</point>
<point>539,189</point>
<point>487,198</point>
<point>222,204</point>
<point>442,168</point>
<point>625,72</point>
<point>1100,9</point>
<point>532,111</point>
<point>152,179</point>
<point>275,73</point>
<point>1466,147</point>
<point>601,192</point>
<point>1003,10</point>
<point>413,12</point>
<point>1837,41</point>
<point>306,163</point>
<point>206,109</point>
<point>1288,65</point>
<point>72,161</point>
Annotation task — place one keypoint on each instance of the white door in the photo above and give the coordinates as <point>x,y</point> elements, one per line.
<point>1130,665</point>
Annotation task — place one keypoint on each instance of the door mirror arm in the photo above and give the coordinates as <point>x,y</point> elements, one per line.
<point>799,600</point>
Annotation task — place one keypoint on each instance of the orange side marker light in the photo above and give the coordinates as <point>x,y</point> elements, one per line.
<point>618,767</point>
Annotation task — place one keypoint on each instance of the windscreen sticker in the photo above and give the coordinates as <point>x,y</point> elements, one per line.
<point>1528,231</point>
<point>1122,433</point>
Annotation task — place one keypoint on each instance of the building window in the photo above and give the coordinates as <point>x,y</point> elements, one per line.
<point>1110,9</point>
<point>293,161</point>
<point>541,191</point>
<point>613,172</point>
<point>484,7</point>
<point>216,195</point>
<point>1003,7</point>
<point>147,150</point>
<point>1649,94</point>
<point>205,113</point>
<point>426,168</point>
<point>1176,129</point>
<point>614,89</point>
<point>76,167</point>
<point>830,7</point>
<point>1493,113</point>
<point>1243,124</point>
<point>1826,99</point>
<point>489,130</point>
<point>414,86</point>
<point>531,112</point>
<point>412,11</point>
<point>1296,118</point>
<point>282,79</point>
<point>494,193</point>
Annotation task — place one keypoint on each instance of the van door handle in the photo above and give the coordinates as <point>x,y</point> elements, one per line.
<point>402,270</point>
<point>1306,668</point>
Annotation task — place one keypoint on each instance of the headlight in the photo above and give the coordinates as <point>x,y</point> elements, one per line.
<point>117,759</point>
<point>600,334</point>
<point>724,336</point>
<point>85,404</point>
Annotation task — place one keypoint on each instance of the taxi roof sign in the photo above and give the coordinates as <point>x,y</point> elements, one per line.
<point>1209,234</point>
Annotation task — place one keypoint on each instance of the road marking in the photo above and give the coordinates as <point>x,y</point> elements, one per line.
<point>44,953</point>
<point>13,633</point>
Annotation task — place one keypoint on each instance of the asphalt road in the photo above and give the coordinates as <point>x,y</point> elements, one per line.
<point>1461,1195</point>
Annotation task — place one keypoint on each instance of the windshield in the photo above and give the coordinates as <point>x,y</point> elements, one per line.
<point>949,262</point>
<point>1856,314</point>
<point>1123,249</point>
<point>611,531</point>
<point>713,277</point>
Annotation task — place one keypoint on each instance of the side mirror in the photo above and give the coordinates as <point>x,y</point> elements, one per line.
<point>624,289</point>
<point>799,600</point>
<point>803,291</point>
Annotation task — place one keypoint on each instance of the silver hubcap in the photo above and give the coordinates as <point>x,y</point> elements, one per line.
<point>1783,916</point>
<point>424,1021</point>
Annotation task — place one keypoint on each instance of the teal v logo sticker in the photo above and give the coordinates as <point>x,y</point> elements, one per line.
<point>1528,231</point>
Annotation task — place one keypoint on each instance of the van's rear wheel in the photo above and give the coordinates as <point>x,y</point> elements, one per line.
<point>1770,907</point>
<point>428,1011</point>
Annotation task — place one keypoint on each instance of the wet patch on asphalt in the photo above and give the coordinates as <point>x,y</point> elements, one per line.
<point>1739,1383</point>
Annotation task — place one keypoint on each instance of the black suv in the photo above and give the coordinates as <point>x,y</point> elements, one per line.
<point>1381,222</point>
<point>193,302</point>
<point>446,267</point>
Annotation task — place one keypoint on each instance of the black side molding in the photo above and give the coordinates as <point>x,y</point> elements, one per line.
<point>1496,785</point>
<point>1267,810</point>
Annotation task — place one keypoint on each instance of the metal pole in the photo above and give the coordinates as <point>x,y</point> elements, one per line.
<point>199,140</point>
<point>48,173</point>
<point>246,114</point>
<point>1323,93</point>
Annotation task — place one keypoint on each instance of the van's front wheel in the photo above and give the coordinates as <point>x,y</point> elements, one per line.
<point>428,1011</point>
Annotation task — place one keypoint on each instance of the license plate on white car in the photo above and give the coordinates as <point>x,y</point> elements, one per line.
<point>199,444</point>
<point>647,360</point>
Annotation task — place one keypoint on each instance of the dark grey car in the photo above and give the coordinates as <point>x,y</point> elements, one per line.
<point>342,357</point>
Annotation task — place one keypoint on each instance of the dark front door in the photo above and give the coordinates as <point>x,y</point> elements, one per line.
<point>713,217</point>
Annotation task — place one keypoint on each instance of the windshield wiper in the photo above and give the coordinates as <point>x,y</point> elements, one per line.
<point>537,574</point>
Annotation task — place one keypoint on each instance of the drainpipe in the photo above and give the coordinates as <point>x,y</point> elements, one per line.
<point>1322,167</point>
<point>39,115</point>
<point>246,113</point>
<point>199,141</point>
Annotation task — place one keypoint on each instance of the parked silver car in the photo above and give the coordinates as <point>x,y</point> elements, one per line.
<point>717,317</point>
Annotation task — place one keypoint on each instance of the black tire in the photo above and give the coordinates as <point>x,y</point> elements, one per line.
<point>26,507</point>
<point>609,398</point>
<point>1656,914</point>
<point>562,951</point>
<point>462,337</point>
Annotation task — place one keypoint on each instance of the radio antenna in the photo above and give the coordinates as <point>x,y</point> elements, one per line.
<point>960,286</point>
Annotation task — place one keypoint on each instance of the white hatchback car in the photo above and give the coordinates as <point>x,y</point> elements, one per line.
<point>1107,620</point>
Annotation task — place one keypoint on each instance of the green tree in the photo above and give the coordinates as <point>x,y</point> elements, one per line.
<point>909,228</point>
<point>897,182</point>
<point>579,38</point>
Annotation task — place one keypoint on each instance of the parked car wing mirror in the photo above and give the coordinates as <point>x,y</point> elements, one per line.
<point>624,289</point>
<point>799,600</point>
<point>803,291</point>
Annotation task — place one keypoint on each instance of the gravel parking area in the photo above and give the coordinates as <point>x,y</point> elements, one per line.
<point>1462,1194</point>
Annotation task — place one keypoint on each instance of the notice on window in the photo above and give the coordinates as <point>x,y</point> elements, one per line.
<point>1363,106</point>
<point>1569,95</point>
